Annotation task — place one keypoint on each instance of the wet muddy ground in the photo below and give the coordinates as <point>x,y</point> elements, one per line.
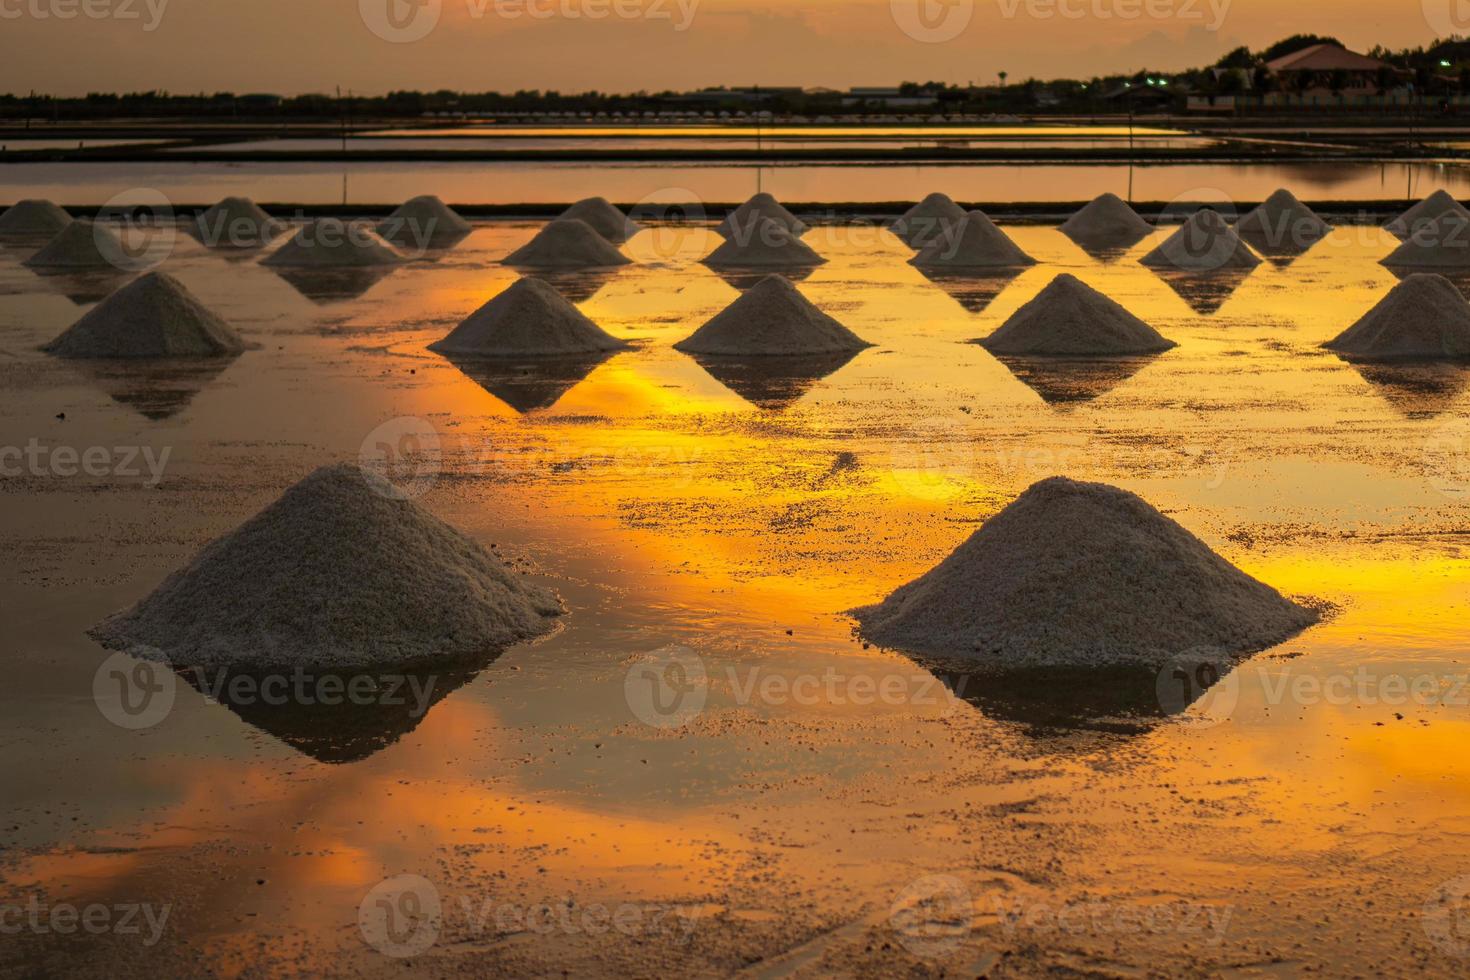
<point>704,772</point>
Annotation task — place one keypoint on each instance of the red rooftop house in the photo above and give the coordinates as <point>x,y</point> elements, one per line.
<point>1327,74</point>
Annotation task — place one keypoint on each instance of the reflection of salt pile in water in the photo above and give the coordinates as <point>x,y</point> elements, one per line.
<point>31,220</point>
<point>1282,224</point>
<point>530,319</point>
<point>1082,574</point>
<point>154,316</point>
<point>1203,243</point>
<point>927,220</point>
<point>342,570</point>
<point>1437,205</point>
<point>566,244</point>
<point>761,207</point>
<point>1070,318</point>
<point>771,319</point>
<point>1106,220</point>
<point>236,222</point>
<point>1422,318</point>
<point>973,242</point>
<point>82,245</point>
<point>604,219</point>
<point>423,222</point>
<point>331,243</point>
<point>1441,243</point>
<point>767,244</point>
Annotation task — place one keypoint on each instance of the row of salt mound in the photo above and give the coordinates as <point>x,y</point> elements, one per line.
<point>566,243</point>
<point>1071,319</point>
<point>1422,318</point>
<point>32,220</point>
<point>764,244</point>
<point>761,207</point>
<point>927,220</point>
<point>341,571</point>
<point>1106,220</point>
<point>1203,243</point>
<point>154,316</point>
<point>971,243</point>
<point>771,319</point>
<point>82,245</point>
<point>423,222</point>
<point>1282,224</point>
<point>331,243</point>
<point>1082,574</point>
<point>1437,205</point>
<point>603,218</point>
<point>236,222</point>
<point>530,319</point>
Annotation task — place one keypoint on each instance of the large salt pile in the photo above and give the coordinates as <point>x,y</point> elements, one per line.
<point>1440,243</point>
<point>771,318</point>
<point>342,570</point>
<point>1086,575</point>
<point>154,316</point>
<point>331,243</point>
<point>605,219</point>
<point>530,319</point>
<point>768,244</point>
<point>32,220</point>
<point>1203,243</point>
<point>1435,206</point>
<point>1106,220</point>
<point>761,207</point>
<point>423,222</point>
<point>1282,224</point>
<point>1422,318</point>
<point>82,245</point>
<point>236,222</point>
<point>1071,319</point>
<point>927,220</point>
<point>974,242</point>
<point>566,244</point>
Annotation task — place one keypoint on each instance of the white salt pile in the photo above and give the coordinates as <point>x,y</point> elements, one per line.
<point>974,242</point>
<point>1086,575</point>
<point>927,220</point>
<point>566,244</point>
<point>1203,243</point>
<point>530,319</point>
<point>767,244</point>
<point>423,222</point>
<point>236,222</point>
<point>761,207</point>
<point>605,219</point>
<point>341,571</point>
<point>771,319</point>
<point>1282,224</point>
<point>1071,319</point>
<point>1439,243</point>
<point>32,219</point>
<point>82,245</point>
<point>154,316</point>
<point>1435,206</point>
<point>332,243</point>
<point>1106,220</point>
<point>1423,318</point>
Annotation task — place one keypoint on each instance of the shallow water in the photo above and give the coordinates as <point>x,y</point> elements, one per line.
<point>702,771</point>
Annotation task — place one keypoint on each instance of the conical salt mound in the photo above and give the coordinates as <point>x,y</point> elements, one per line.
<point>423,222</point>
<point>927,220</point>
<point>1086,575</point>
<point>342,570</point>
<point>761,207</point>
<point>767,245</point>
<point>1106,220</point>
<point>32,221</point>
<point>82,245</point>
<point>973,243</point>
<point>1441,243</point>
<point>1423,318</point>
<point>1282,224</point>
<point>1071,319</point>
<point>773,319</point>
<point>236,222</point>
<point>1202,244</point>
<point>566,244</point>
<point>530,319</point>
<point>1432,208</point>
<point>330,243</point>
<point>605,219</point>
<point>154,316</point>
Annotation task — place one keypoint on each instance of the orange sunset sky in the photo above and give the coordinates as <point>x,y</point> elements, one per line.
<point>70,47</point>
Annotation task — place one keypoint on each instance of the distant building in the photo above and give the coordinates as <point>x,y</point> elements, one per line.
<point>1328,68</point>
<point>888,97</point>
